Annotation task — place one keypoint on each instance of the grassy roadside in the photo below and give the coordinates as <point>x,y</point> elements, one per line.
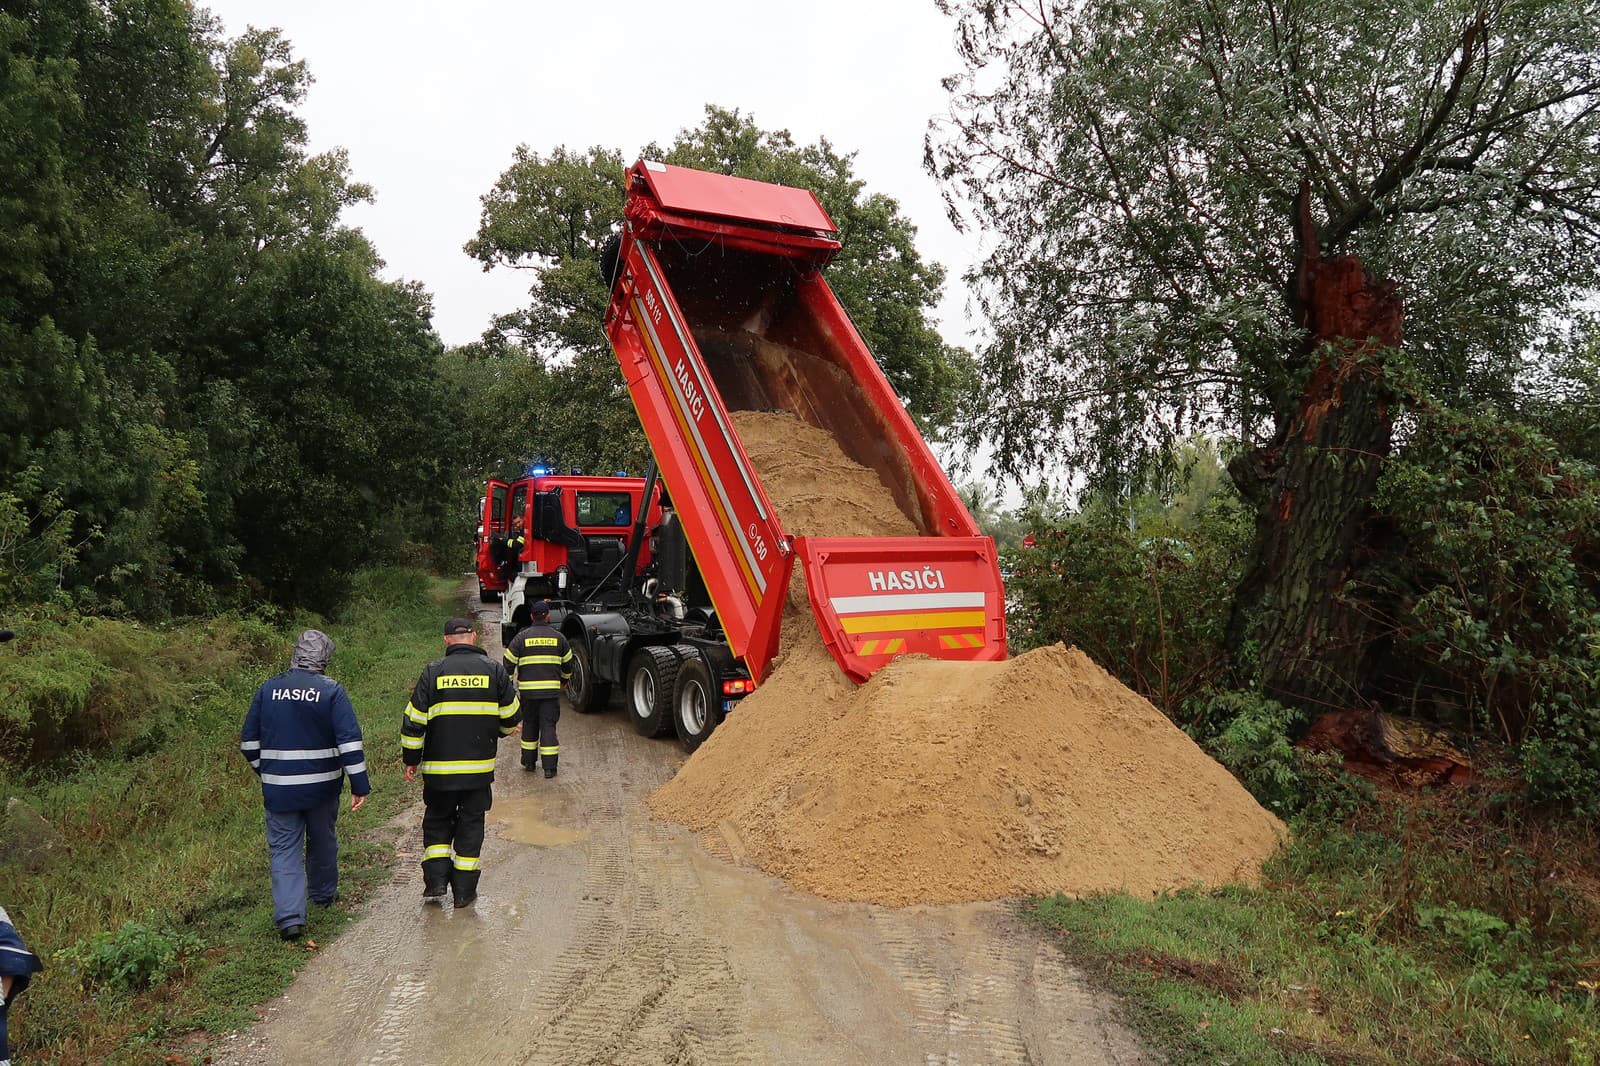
<point>1432,932</point>
<point>154,914</point>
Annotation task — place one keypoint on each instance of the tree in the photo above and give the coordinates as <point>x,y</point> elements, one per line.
<point>551,214</point>
<point>1192,208</point>
<point>200,370</point>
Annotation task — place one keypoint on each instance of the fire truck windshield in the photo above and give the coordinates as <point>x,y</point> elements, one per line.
<point>604,509</point>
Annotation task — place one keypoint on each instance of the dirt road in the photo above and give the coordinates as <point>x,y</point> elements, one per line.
<point>602,936</point>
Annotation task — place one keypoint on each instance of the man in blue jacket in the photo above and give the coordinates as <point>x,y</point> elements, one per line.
<point>302,738</point>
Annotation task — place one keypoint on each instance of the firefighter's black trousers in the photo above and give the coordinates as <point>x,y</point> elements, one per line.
<point>546,711</point>
<point>452,837</point>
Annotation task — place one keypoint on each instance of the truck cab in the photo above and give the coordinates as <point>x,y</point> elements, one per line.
<point>557,536</point>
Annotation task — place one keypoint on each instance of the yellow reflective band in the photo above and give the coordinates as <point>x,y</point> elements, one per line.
<point>464,862</point>
<point>567,658</point>
<point>551,750</point>
<point>409,742</point>
<point>416,715</point>
<point>459,766</point>
<point>436,851</point>
<point>527,686</point>
<point>879,623</point>
<point>462,681</point>
<point>529,745</point>
<point>508,709</point>
<point>439,710</point>
<point>540,660</point>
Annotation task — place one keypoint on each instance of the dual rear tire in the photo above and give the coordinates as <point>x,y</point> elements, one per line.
<point>671,689</point>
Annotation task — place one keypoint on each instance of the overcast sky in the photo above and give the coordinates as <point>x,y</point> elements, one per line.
<point>430,99</point>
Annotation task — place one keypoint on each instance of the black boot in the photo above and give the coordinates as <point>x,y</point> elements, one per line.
<point>435,880</point>
<point>550,765</point>
<point>464,886</point>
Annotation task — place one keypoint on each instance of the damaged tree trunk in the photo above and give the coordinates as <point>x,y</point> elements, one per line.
<point>1297,615</point>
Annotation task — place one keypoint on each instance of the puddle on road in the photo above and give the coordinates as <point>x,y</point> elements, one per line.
<point>522,819</point>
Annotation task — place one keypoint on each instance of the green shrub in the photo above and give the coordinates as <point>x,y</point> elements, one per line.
<point>1499,591</point>
<point>1149,601</point>
<point>132,959</point>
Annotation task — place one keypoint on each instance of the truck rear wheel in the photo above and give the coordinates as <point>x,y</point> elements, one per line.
<point>582,690</point>
<point>651,675</point>
<point>694,703</point>
<point>487,595</point>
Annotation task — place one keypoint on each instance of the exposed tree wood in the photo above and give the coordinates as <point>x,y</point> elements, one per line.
<point>1313,484</point>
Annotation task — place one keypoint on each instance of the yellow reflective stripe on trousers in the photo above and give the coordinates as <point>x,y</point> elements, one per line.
<point>530,745</point>
<point>410,743</point>
<point>467,862</point>
<point>436,851</point>
<point>415,715</point>
<point>459,766</point>
<point>537,686</point>
<point>439,710</point>
<point>553,749</point>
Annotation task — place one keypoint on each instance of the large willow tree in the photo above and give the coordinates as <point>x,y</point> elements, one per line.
<point>1247,217</point>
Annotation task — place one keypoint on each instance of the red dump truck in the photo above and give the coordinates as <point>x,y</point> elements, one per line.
<point>719,304</point>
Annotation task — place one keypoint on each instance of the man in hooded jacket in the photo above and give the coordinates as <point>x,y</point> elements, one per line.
<point>302,738</point>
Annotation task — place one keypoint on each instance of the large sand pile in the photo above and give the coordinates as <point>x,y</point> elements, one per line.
<point>938,782</point>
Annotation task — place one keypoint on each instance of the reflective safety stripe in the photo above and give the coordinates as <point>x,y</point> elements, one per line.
<point>439,710</point>
<point>412,743</point>
<point>508,709</point>
<point>299,753</point>
<point>249,745</point>
<point>537,686</point>
<point>459,766</point>
<point>467,862</point>
<point>554,749</point>
<point>416,715</point>
<point>539,660</point>
<point>358,768</point>
<point>436,851</point>
<point>529,745</point>
<point>301,779</point>
<point>354,745</point>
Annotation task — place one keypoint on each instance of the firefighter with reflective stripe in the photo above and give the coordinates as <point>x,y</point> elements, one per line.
<point>542,660</point>
<point>302,739</point>
<point>462,706</point>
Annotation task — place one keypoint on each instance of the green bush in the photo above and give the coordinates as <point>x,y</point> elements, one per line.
<point>1499,591</point>
<point>132,959</point>
<point>1147,600</point>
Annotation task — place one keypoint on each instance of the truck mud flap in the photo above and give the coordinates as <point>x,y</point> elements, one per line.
<point>876,598</point>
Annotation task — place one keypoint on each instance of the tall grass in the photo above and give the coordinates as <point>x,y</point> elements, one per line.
<point>154,915</point>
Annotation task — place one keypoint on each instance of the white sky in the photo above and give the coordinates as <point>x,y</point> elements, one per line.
<point>430,99</point>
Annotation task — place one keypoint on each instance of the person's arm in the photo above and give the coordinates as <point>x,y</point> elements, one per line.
<point>250,735</point>
<point>510,706</point>
<point>566,657</point>
<point>347,735</point>
<point>513,650</point>
<point>17,963</point>
<point>414,728</point>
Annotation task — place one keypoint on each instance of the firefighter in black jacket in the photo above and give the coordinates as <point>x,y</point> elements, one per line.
<point>462,705</point>
<point>542,660</point>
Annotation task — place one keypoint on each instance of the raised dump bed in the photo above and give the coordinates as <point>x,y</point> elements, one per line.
<point>719,304</point>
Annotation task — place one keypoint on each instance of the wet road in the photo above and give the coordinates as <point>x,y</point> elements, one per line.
<point>602,936</point>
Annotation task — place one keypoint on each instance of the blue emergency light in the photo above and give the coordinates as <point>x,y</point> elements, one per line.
<point>538,471</point>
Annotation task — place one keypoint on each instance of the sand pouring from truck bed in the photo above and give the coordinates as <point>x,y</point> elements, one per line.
<point>940,782</point>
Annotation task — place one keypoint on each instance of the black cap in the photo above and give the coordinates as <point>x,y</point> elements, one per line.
<point>457,626</point>
<point>539,608</point>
